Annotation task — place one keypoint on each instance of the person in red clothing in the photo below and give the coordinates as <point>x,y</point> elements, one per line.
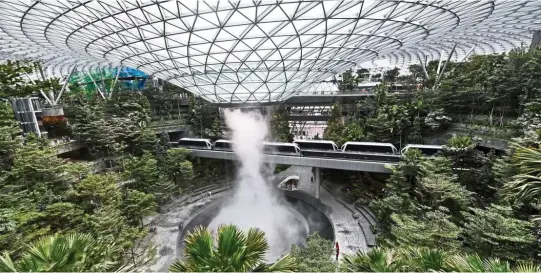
<point>337,250</point>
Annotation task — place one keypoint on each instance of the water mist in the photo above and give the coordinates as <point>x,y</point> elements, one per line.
<point>256,202</point>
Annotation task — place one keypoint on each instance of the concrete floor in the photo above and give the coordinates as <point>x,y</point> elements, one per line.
<point>348,233</point>
<point>167,223</point>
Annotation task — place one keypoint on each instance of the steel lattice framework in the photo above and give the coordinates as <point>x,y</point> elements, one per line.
<point>256,51</point>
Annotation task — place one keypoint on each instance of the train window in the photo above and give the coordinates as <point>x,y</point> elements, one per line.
<point>315,146</point>
<point>285,149</point>
<point>223,145</point>
<point>268,149</point>
<point>366,148</point>
<point>429,151</point>
<point>189,143</point>
<point>280,149</point>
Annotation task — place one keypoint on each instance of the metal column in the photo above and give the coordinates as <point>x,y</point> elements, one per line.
<point>318,181</point>
<point>34,119</point>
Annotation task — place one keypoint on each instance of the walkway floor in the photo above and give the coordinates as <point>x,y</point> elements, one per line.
<point>167,223</point>
<point>348,233</point>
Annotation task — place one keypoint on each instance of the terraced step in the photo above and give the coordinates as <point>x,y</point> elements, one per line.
<point>368,234</point>
<point>203,194</point>
<point>371,213</point>
<point>206,189</point>
<point>366,213</point>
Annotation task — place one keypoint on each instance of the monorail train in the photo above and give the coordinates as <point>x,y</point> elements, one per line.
<point>370,151</point>
<point>195,143</point>
<point>350,150</point>
<point>373,151</point>
<point>227,145</point>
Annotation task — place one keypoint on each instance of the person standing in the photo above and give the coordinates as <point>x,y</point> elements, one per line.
<point>337,247</point>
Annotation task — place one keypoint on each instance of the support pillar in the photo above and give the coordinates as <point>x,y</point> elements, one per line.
<point>318,181</point>
<point>536,39</point>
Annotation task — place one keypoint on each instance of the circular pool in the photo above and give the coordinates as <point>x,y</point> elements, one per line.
<point>309,217</point>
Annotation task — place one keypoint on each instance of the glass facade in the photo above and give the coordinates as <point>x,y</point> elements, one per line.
<point>257,51</point>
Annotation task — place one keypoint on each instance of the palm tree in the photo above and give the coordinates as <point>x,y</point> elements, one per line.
<point>50,254</point>
<point>474,263</point>
<point>57,253</point>
<point>424,259</point>
<point>232,251</point>
<point>376,260</point>
<point>526,185</point>
<point>527,267</point>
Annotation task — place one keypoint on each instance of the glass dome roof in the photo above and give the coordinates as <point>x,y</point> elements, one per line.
<point>256,51</point>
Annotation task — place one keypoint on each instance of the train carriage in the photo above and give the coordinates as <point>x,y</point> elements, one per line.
<point>223,145</point>
<point>427,150</point>
<point>195,143</point>
<point>369,147</point>
<point>281,148</point>
<point>317,145</point>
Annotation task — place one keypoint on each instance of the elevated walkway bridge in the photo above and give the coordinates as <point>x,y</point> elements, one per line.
<point>370,163</point>
<point>325,98</point>
<point>316,160</point>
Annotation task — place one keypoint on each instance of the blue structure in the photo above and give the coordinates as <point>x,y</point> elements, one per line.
<point>131,78</point>
<point>128,79</point>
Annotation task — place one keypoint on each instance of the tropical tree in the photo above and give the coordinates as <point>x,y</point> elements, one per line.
<point>391,75</point>
<point>414,259</point>
<point>334,128</point>
<point>362,74</point>
<point>9,132</point>
<point>375,260</point>
<point>399,190</point>
<point>136,205</point>
<point>131,105</point>
<point>348,82</point>
<point>13,83</point>
<point>438,186</point>
<point>145,140</point>
<point>97,190</point>
<point>59,253</point>
<point>525,185</point>
<point>424,259</point>
<point>143,174</point>
<point>315,255</point>
<point>496,232</point>
<point>279,125</point>
<point>176,166</point>
<point>232,251</point>
<point>36,179</point>
<point>201,116</point>
<point>215,130</point>
<point>433,228</point>
<point>474,263</point>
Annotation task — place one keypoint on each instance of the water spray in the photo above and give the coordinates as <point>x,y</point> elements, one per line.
<point>256,202</point>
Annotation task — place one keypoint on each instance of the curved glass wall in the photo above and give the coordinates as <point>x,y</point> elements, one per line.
<point>257,51</point>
